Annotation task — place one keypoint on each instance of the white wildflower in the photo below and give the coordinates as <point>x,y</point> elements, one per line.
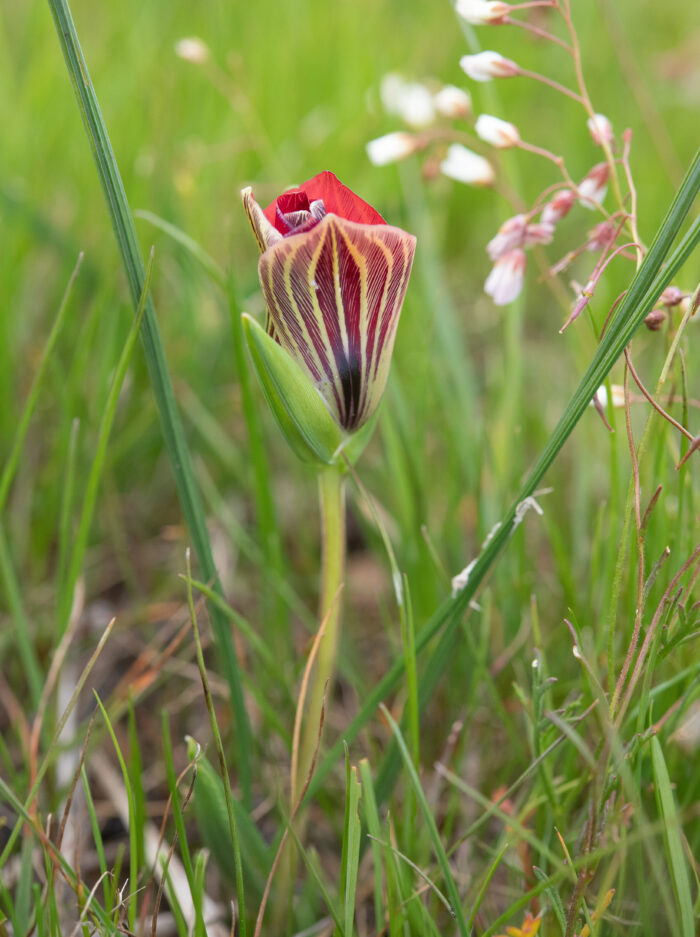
<point>487,65</point>
<point>468,167</point>
<point>391,148</point>
<point>192,49</point>
<point>497,132</point>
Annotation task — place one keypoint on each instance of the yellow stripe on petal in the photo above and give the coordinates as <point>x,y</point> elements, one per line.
<point>334,296</point>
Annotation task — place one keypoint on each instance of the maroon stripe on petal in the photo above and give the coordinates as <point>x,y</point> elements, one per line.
<point>300,273</point>
<point>326,296</point>
<point>283,307</point>
<point>351,284</point>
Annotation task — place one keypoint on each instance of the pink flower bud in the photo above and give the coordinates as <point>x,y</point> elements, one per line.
<point>391,148</point>
<point>453,102</point>
<point>558,207</point>
<point>600,129</point>
<point>516,232</point>
<point>505,281</point>
<point>671,296</point>
<point>487,65</point>
<point>468,167</point>
<point>601,236</point>
<point>497,132</point>
<point>482,12</point>
<point>510,235</point>
<point>592,189</point>
<point>541,233</point>
<point>655,320</point>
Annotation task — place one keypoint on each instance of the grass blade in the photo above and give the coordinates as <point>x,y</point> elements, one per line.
<point>173,433</point>
<point>21,431</point>
<point>429,821</point>
<point>672,838</point>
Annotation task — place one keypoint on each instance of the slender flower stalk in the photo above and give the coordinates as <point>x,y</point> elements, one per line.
<point>331,487</point>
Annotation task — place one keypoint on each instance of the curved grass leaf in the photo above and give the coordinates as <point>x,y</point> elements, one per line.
<point>173,433</point>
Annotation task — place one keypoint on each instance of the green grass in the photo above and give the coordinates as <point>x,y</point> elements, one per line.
<point>507,774</point>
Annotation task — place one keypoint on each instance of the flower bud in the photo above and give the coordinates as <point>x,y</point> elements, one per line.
<point>391,148</point>
<point>601,236</point>
<point>600,129</point>
<point>482,12</point>
<point>558,207</point>
<point>671,296</point>
<point>505,281</point>
<point>468,167</point>
<point>334,275</point>
<point>592,189</point>
<point>497,132</point>
<point>453,102</point>
<point>192,49</point>
<point>516,232</point>
<point>655,320</point>
<point>541,233</point>
<point>410,100</point>
<point>510,235</point>
<point>487,65</point>
<point>617,396</point>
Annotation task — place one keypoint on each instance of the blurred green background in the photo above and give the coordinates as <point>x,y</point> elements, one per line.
<point>292,88</point>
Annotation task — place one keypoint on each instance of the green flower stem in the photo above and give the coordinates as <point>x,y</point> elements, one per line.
<point>332,501</point>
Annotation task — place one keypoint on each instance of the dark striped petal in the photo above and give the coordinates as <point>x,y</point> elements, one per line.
<point>334,296</point>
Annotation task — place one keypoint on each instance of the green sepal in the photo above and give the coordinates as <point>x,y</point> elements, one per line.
<point>298,407</point>
<point>355,443</point>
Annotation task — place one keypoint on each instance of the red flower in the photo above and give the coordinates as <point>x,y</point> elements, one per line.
<point>334,275</point>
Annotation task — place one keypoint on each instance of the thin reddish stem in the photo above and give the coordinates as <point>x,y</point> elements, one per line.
<point>655,405</point>
<point>539,32</point>
<point>551,83</point>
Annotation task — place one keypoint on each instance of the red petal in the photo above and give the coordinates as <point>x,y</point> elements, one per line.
<point>337,198</point>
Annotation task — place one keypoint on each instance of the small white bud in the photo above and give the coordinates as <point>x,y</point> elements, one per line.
<point>391,148</point>
<point>497,132</point>
<point>591,191</point>
<point>416,105</point>
<point>390,89</point>
<point>617,395</point>
<point>505,281</point>
<point>453,102</point>
<point>510,235</point>
<point>601,396</point>
<point>468,167</point>
<point>192,49</point>
<point>600,129</point>
<point>482,12</point>
<point>410,100</point>
<point>487,65</point>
